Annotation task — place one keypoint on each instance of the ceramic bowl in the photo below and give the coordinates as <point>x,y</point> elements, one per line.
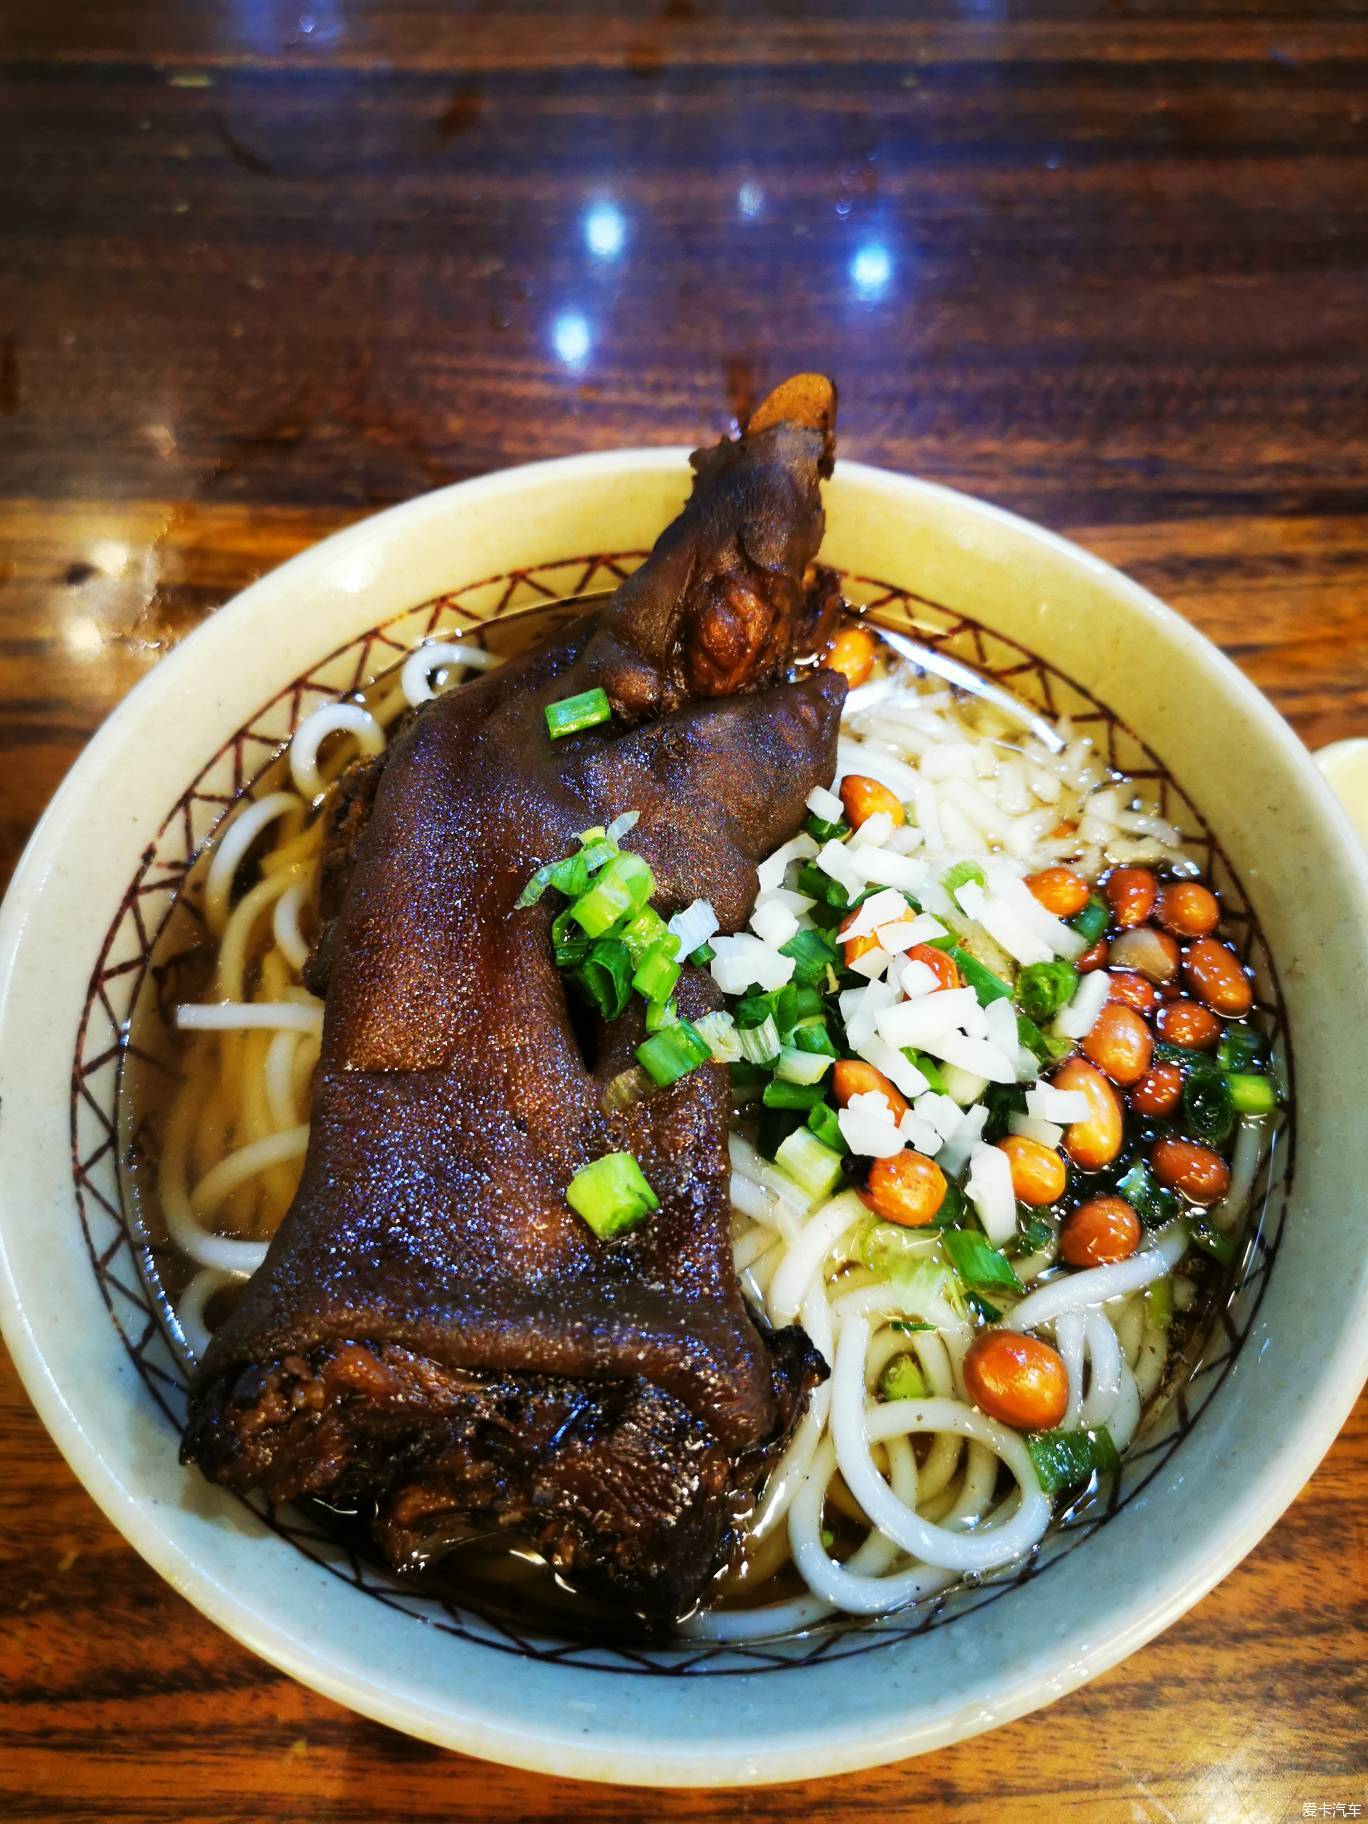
<point>1212,1470</point>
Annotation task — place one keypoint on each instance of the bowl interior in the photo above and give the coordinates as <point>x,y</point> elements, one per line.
<point>1062,633</point>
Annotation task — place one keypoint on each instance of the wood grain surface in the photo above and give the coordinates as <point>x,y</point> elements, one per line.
<point>264,268</point>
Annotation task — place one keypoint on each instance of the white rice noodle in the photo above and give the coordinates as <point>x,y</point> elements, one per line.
<point>451,656</point>
<point>1070,1340</point>
<point>860,757</point>
<point>822,1231</point>
<point>244,1016</point>
<point>232,844</point>
<point>1104,1370</point>
<point>313,731</point>
<point>854,1428</point>
<point>192,1301</point>
<point>1244,1168</point>
<point>285,925</point>
<point>1095,1285</point>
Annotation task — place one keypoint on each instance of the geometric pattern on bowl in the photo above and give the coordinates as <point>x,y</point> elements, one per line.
<point>121,1257</point>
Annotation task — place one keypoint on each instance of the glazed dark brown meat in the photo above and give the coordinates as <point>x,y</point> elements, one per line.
<point>435,1336</point>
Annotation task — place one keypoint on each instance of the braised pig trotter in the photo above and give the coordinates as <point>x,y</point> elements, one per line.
<point>435,1336</point>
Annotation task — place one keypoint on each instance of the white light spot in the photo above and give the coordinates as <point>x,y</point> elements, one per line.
<point>871,270</point>
<point>750,199</point>
<point>571,339</point>
<point>605,231</point>
<point>109,555</point>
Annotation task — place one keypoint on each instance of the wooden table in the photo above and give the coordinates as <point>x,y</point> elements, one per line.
<point>265,268</point>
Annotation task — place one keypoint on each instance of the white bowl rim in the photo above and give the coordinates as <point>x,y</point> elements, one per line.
<point>543,1744</point>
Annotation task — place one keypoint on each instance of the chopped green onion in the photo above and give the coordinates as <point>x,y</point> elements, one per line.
<point>570,877</point>
<point>812,1035</point>
<point>1033,1232</point>
<point>569,945</point>
<point>1180,1054</point>
<point>627,1087</point>
<point>980,1266</point>
<point>1048,1047</point>
<point>611,1194</point>
<point>812,956</point>
<point>774,1127</point>
<point>793,1004</point>
<point>779,1092</point>
<point>1043,988</point>
<point>1003,1100</point>
<point>822,830</point>
<point>1251,1095</point>
<point>961,874</point>
<point>644,931</point>
<point>672,1053</point>
<point>987,1311</point>
<point>987,987</point>
<point>620,891</point>
<point>598,852</point>
<point>718,1032</point>
<point>796,1066</point>
<point>821,887</point>
<point>747,1080</point>
<point>660,1014</point>
<point>907,1327</point>
<point>1211,1241</point>
<point>753,1010</point>
<point>902,1379</point>
<point>1091,922</point>
<point>1066,1459</point>
<point>1159,1303</point>
<point>822,1120</point>
<point>701,957</point>
<point>950,1215</point>
<point>657,971</point>
<point>815,1168</point>
<point>1241,1048</point>
<point>1208,1105</point>
<point>923,1289</point>
<point>759,1044</point>
<point>1152,1202</point>
<point>605,976</point>
<point>928,1068</point>
<point>572,714</point>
